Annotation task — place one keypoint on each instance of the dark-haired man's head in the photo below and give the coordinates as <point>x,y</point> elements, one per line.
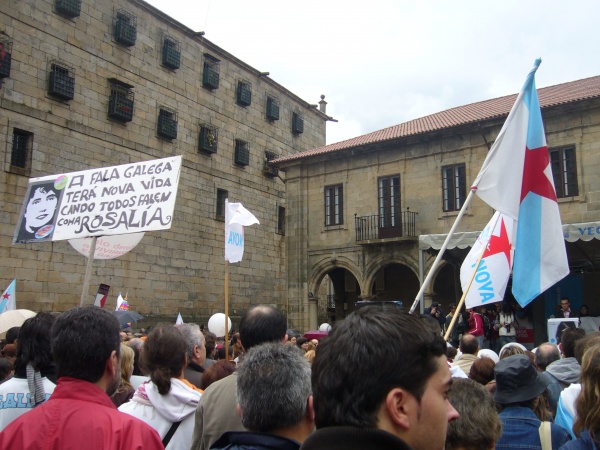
<point>545,355</point>
<point>210,342</point>
<point>581,345</point>
<point>469,344</point>
<point>384,369</point>
<point>84,339</point>
<point>6,369</point>
<point>260,324</point>
<point>33,345</point>
<point>12,334</point>
<point>567,340</point>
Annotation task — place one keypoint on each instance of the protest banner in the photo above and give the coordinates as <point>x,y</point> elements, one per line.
<point>123,199</point>
<point>107,247</point>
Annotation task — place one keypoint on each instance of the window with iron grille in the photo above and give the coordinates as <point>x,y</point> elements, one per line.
<point>171,53</point>
<point>454,187</point>
<point>68,8</point>
<point>5,56</point>
<point>272,108</point>
<point>125,28</point>
<point>281,220</point>
<point>269,170</point>
<point>209,138</point>
<point>334,205</point>
<point>297,123</point>
<point>242,153</point>
<point>210,73</point>
<point>244,93</point>
<point>564,171</point>
<point>22,145</point>
<point>61,81</point>
<point>221,197</point>
<point>120,103</point>
<point>167,123</point>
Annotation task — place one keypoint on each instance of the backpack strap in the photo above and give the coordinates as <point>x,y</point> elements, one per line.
<point>545,436</point>
<point>170,433</point>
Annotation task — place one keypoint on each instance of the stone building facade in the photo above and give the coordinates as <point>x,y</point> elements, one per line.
<point>96,84</point>
<point>364,212</point>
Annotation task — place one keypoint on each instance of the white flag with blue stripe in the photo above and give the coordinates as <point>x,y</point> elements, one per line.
<point>516,179</point>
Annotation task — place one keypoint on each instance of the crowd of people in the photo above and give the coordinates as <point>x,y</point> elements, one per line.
<point>381,379</point>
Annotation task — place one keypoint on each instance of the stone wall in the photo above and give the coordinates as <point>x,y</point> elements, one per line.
<point>318,249</point>
<point>181,269</point>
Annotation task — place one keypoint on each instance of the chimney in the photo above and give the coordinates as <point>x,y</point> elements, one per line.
<point>322,104</point>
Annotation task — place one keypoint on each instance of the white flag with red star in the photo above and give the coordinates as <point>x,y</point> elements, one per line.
<point>493,272</point>
<point>8,301</point>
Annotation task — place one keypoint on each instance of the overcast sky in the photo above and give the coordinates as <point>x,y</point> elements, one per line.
<point>383,62</point>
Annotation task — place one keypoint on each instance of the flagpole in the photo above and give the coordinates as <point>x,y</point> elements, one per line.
<point>438,258</point>
<point>226,310</point>
<point>88,270</point>
<point>466,291</point>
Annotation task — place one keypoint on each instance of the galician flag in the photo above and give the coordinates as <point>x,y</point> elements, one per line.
<point>8,301</point>
<point>236,218</point>
<point>516,179</point>
<point>495,249</point>
<point>179,320</point>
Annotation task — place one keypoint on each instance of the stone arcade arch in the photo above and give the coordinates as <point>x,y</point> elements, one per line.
<point>392,278</point>
<point>347,288</point>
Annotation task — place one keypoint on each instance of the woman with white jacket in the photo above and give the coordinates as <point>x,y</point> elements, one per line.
<point>167,402</point>
<point>505,323</point>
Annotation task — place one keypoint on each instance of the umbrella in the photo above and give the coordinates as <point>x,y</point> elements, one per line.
<point>315,334</point>
<point>14,318</point>
<point>126,316</point>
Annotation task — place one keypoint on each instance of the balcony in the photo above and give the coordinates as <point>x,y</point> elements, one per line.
<point>378,229</point>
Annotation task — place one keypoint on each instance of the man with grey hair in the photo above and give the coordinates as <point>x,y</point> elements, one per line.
<point>217,410</point>
<point>196,352</point>
<point>478,426</point>
<point>274,400</point>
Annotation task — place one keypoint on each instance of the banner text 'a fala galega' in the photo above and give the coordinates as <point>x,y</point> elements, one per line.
<point>100,202</point>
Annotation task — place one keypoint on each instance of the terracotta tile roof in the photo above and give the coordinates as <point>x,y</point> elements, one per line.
<point>475,112</point>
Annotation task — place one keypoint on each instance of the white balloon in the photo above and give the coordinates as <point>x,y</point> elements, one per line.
<point>325,327</point>
<point>216,324</point>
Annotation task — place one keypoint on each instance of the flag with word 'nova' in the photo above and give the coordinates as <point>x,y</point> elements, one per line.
<point>516,179</point>
<point>236,218</point>
<point>122,304</point>
<point>494,247</point>
<point>8,301</point>
<point>179,320</point>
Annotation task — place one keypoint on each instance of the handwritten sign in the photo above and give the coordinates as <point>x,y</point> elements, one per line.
<point>107,247</point>
<point>130,198</point>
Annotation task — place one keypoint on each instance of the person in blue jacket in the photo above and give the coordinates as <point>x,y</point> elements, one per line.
<point>519,393</point>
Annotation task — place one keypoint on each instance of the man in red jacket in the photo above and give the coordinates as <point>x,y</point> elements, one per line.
<point>476,326</point>
<point>80,413</point>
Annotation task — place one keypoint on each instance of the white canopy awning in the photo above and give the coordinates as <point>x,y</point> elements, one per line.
<point>572,232</point>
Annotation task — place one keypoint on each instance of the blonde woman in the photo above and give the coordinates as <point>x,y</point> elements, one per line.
<point>587,406</point>
<point>125,390</point>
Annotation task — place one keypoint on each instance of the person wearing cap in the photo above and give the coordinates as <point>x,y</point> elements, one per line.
<point>519,390</point>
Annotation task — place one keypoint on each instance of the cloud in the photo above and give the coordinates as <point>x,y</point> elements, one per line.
<point>385,62</point>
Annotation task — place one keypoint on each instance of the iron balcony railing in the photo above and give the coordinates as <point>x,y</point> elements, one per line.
<point>385,226</point>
